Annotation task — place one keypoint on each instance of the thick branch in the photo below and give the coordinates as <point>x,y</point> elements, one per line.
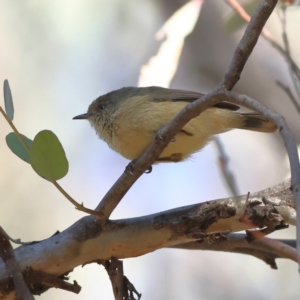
<point>88,240</point>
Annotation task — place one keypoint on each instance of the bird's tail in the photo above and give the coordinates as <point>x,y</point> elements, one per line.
<point>256,122</point>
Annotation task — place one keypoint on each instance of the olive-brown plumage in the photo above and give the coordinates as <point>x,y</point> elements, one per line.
<point>127,120</point>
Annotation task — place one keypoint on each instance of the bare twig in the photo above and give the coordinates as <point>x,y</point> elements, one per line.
<point>244,15</point>
<point>293,69</point>
<point>223,163</point>
<point>42,281</point>
<point>285,52</point>
<point>132,290</point>
<point>8,256</point>
<point>267,35</point>
<point>17,241</point>
<point>265,249</point>
<point>289,94</point>
<point>123,289</point>
<point>39,282</point>
<point>247,43</point>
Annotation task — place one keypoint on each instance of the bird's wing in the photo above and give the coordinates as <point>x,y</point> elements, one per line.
<point>187,96</point>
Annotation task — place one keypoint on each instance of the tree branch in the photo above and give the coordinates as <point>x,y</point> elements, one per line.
<point>289,93</point>
<point>268,37</point>
<point>88,240</point>
<point>223,164</point>
<point>289,143</point>
<point>247,43</point>
<point>265,249</point>
<point>123,289</point>
<point>8,256</point>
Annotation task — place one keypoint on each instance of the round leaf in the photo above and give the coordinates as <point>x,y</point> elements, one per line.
<point>8,102</point>
<point>16,146</point>
<point>47,156</point>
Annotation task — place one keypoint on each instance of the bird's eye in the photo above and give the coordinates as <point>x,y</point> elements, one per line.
<point>101,107</point>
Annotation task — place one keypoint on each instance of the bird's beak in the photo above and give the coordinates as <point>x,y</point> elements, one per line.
<point>81,117</point>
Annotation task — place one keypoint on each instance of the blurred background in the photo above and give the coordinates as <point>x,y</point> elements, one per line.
<point>59,56</point>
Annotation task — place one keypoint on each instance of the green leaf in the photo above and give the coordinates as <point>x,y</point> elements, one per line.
<point>47,156</point>
<point>16,146</point>
<point>8,102</point>
<point>234,22</point>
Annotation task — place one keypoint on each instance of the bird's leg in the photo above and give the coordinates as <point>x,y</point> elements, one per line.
<point>175,157</point>
<point>158,132</point>
<point>173,140</point>
<point>130,167</point>
<point>149,170</point>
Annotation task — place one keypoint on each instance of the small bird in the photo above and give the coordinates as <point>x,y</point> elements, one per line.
<point>127,120</point>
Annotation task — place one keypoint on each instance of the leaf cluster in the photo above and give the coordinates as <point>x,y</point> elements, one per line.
<point>45,153</point>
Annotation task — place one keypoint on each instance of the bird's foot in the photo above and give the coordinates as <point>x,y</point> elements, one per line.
<point>175,157</point>
<point>130,168</point>
<point>159,134</point>
<point>149,170</point>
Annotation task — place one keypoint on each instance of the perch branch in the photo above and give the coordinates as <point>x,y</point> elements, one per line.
<point>247,43</point>
<point>89,241</point>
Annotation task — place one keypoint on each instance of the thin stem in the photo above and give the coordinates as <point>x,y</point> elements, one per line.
<point>289,94</point>
<point>75,203</point>
<point>247,43</point>
<point>223,163</point>
<point>294,71</point>
<point>244,15</point>
<point>14,129</point>
<point>285,52</point>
